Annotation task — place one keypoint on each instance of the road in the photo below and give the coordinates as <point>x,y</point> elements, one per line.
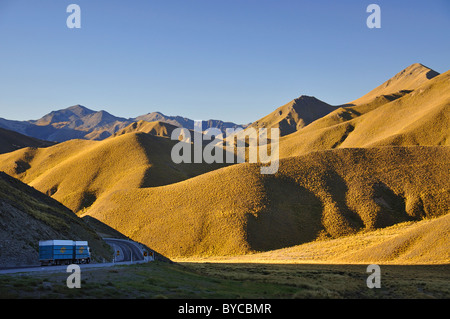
<point>129,252</point>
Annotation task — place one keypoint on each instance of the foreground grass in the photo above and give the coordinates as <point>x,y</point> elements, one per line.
<point>233,281</point>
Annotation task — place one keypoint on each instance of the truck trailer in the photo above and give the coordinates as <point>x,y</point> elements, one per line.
<point>60,252</point>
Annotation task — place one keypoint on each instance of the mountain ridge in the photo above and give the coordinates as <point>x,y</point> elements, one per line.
<point>80,122</point>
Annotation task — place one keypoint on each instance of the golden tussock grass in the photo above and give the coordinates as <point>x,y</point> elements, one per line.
<point>321,195</point>
<point>78,172</point>
<point>422,242</point>
<point>408,79</point>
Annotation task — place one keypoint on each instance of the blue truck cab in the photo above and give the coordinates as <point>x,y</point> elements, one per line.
<point>59,252</point>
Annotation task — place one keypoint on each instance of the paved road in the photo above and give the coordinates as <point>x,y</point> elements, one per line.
<point>62,267</point>
<point>128,250</point>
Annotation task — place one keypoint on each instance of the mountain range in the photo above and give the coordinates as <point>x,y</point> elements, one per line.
<point>346,172</point>
<point>79,122</point>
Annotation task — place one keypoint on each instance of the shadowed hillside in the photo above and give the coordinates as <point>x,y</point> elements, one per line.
<point>11,141</point>
<point>28,216</point>
<point>327,194</point>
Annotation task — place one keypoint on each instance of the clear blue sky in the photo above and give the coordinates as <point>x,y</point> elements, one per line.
<point>235,60</point>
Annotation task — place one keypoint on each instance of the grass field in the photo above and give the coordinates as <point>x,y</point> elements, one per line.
<point>159,280</point>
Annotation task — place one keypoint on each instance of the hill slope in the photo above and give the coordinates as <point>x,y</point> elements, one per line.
<point>327,194</point>
<point>78,172</point>
<point>422,242</point>
<point>28,216</point>
<point>408,79</point>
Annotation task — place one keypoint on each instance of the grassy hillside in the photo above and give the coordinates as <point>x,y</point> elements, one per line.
<point>78,172</point>
<point>422,242</point>
<point>324,195</point>
<point>28,216</point>
<point>408,79</point>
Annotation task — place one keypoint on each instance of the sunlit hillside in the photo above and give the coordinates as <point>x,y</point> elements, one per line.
<point>78,172</point>
<point>408,79</point>
<point>422,242</point>
<point>326,194</point>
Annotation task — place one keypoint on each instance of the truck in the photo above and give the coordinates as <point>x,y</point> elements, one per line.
<point>60,252</point>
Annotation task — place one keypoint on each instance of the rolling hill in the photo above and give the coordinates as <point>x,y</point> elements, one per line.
<point>28,216</point>
<point>78,172</point>
<point>422,242</point>
<point>321,195</point>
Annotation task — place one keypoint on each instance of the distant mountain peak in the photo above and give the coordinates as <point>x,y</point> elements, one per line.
<point>295,115</point>
<point>306,99</point>
<point>79,110</point>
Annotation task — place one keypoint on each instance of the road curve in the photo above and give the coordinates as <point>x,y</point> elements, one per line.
<point>128,250</point>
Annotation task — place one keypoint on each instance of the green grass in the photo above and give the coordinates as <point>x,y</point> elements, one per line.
<point>159,280</point>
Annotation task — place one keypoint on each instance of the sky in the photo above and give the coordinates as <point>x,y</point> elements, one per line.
<point>234,60</point>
